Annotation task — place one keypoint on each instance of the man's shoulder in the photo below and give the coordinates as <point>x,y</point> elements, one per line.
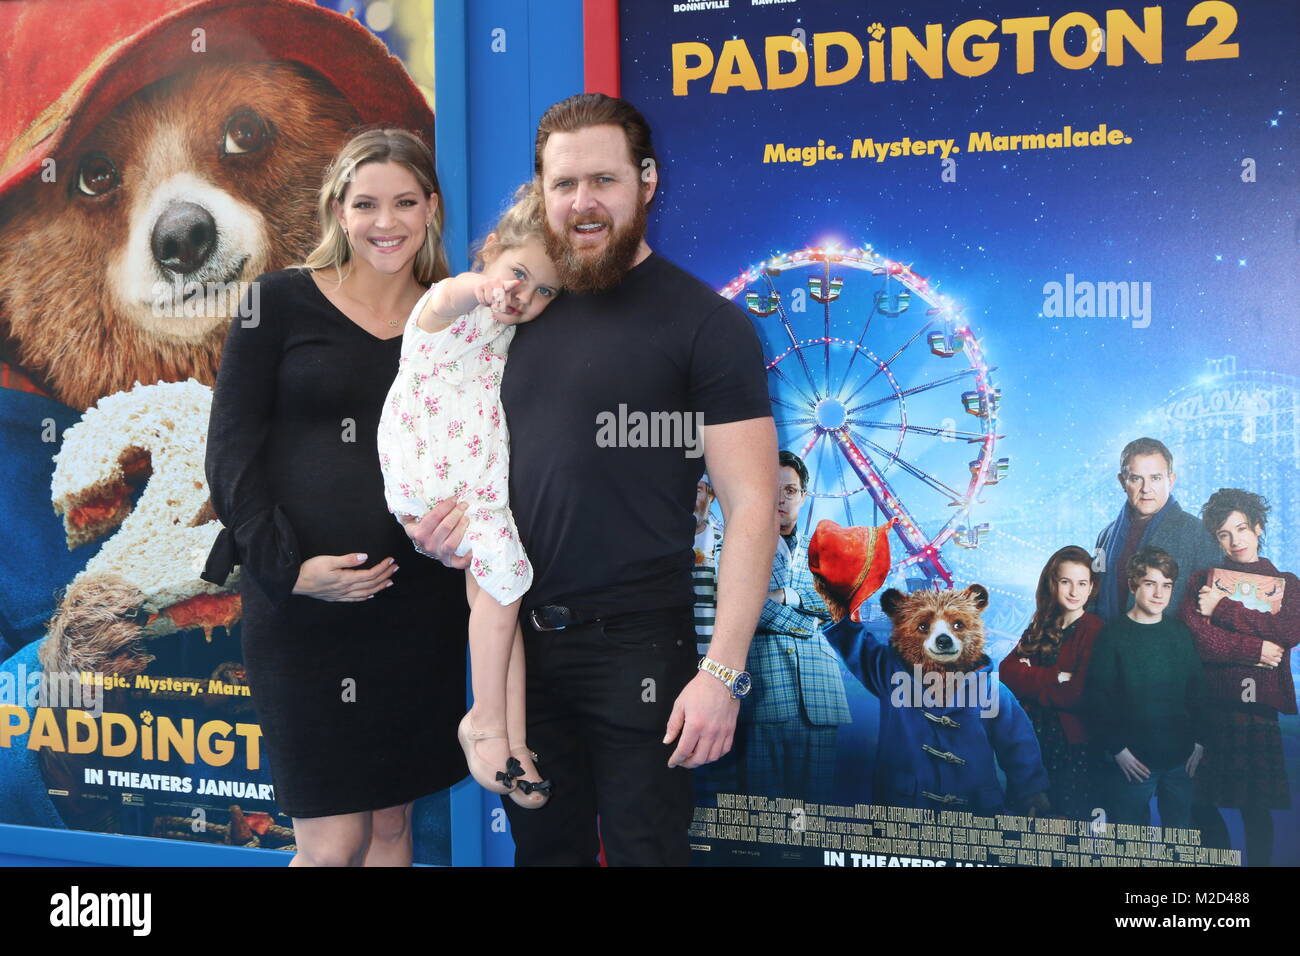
<point>1176,630</point>
<point>1109,632</point>
<point>1175,513</point>
<point>1181,528</point>
<point>671,278</point>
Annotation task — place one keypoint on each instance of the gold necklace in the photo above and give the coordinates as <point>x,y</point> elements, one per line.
<point>392,323</point>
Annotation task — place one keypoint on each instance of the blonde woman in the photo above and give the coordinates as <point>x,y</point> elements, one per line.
<point>353,645</point>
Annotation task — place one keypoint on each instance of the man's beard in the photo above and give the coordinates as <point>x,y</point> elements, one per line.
<point>579,273</point>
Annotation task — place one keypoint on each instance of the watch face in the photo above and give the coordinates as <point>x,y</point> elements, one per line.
<point>740,687</point>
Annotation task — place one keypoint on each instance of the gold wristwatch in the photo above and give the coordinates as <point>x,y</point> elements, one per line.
<point>738,682</point>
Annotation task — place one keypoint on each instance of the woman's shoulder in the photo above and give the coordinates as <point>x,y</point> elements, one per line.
<point>290,280</point>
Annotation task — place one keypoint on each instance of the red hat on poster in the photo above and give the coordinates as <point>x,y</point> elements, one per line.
<point>68,63</point>
<point>853,562</point>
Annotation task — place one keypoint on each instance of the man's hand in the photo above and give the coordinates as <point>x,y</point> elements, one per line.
<point>1134,770</point>
<point>1063,676</point>
<point>331,577</point>
<point>1207,599</point>
<point>704,714</point>
<point>439,532</point>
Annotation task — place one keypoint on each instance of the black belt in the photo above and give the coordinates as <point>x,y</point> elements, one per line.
<point>556,617</point>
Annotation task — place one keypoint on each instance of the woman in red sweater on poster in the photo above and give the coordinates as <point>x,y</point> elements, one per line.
<point>1046,671</point>
<point>1244,636</point>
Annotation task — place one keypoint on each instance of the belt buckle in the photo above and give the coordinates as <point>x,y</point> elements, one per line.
<point>537,625</point>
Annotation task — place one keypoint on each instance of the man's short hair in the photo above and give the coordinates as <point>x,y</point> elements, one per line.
<point>597,109</point>
<point>1145,446</point>
<point>789,459</point>
<point>1148,558</point>
<point>1227,500</point>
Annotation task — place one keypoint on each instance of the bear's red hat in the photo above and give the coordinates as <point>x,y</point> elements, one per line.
<point>68,63</point>
<point>852,561</point>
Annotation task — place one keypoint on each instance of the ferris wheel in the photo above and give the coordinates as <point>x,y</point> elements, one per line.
<point>879,435</point>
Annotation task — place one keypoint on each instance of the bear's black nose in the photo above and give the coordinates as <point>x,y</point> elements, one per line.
<point>944,643</point>
<point>183,237</point>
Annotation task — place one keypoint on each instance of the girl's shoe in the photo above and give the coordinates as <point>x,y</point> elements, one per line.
<point>529,795</point>
<point>479,769</point>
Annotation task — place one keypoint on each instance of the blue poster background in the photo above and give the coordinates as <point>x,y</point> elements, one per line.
<point>1193,212</point>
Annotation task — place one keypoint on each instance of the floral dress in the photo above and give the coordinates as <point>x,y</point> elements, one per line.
<point>442,434</point>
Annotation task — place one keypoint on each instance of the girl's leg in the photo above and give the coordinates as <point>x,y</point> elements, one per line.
<point>331,841</point>
<point>491,635</point>
<point>517,722</point>
<point>390,837</point>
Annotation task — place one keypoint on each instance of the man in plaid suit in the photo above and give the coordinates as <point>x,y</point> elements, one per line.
<point>788,723</point>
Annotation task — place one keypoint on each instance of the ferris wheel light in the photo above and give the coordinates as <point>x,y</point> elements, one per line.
<point>758,286</point>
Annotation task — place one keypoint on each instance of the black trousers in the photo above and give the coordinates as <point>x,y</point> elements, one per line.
<point>599,698</point>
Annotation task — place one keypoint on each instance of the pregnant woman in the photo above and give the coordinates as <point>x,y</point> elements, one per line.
<point>353,645</point>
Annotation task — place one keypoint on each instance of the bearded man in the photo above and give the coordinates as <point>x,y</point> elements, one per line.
<point>620,707</point>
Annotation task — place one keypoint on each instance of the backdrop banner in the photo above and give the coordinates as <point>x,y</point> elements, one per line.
<point>987,252</point>
<point>155,157</point>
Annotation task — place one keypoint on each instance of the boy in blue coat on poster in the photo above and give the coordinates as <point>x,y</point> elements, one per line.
<point>946,721</point>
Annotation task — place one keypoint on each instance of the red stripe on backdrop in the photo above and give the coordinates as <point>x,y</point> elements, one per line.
<point>600,46</point>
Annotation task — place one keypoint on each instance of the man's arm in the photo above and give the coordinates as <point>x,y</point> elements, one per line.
<point>741,460</point>
<point>776,618</point>
<point>801,581</point>
<point>798,617</point>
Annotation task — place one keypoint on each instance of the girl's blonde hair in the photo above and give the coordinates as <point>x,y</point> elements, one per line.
<point>523,221</point>
<point>378,145</point>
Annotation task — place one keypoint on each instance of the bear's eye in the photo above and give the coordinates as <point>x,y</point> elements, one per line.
<point>923,628</point>
<point>97,175</point>
<point>246,132</point>
<point>957,625</point>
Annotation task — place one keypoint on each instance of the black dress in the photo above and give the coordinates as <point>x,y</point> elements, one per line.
<point>358,701</point>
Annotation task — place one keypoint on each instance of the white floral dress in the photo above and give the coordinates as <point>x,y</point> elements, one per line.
<point>442,434</point>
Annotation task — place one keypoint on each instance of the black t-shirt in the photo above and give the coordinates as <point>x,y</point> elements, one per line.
<point>608,527</point>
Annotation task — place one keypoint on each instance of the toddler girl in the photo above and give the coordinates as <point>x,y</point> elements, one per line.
<point>442,434</point>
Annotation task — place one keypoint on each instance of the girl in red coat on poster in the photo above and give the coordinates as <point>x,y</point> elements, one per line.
<point>1247,655</point>
<point>1046,671</point>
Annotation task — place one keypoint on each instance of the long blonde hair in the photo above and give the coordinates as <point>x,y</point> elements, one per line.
<point>378,145</point>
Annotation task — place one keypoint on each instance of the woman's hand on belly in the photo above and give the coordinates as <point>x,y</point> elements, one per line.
<point>332,577</point>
